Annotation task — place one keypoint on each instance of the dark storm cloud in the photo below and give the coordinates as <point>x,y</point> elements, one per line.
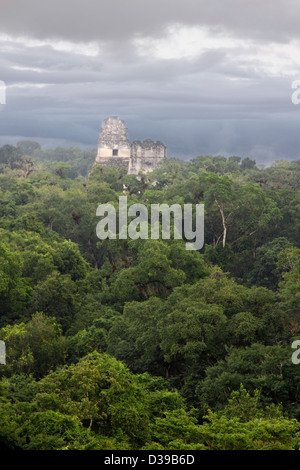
<point>115,20</point>
<point>69,64</point>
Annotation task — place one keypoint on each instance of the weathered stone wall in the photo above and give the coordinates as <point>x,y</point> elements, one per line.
<point>145,156</point>
<point>113,140</point>
<point>115,149</point>
<point>114,162</point>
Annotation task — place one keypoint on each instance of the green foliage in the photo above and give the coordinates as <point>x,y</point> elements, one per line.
<point>243,425</point>
<point>14,289</point>
<point>189,326</point>
<point>267,368</point>
<point>10,156</point>
<point>33,347</point>
<point>55,297</point>
<point>265,270</point>
<point>28,147</point>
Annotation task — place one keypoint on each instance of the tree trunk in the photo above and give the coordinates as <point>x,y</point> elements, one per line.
<point>221,209</point>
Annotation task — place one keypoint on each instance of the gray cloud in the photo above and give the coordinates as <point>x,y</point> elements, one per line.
<point>226,99</point>
<point>114,20</point>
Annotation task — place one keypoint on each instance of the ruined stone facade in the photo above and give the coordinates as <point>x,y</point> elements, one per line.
<point>115,149</point>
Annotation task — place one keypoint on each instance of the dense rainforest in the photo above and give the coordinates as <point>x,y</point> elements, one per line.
<point>142,344</point>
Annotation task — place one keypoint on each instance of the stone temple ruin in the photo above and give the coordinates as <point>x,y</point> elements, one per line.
<point>114,149</point>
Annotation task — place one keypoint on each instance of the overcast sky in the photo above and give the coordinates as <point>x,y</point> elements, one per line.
<point>209,77</point>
